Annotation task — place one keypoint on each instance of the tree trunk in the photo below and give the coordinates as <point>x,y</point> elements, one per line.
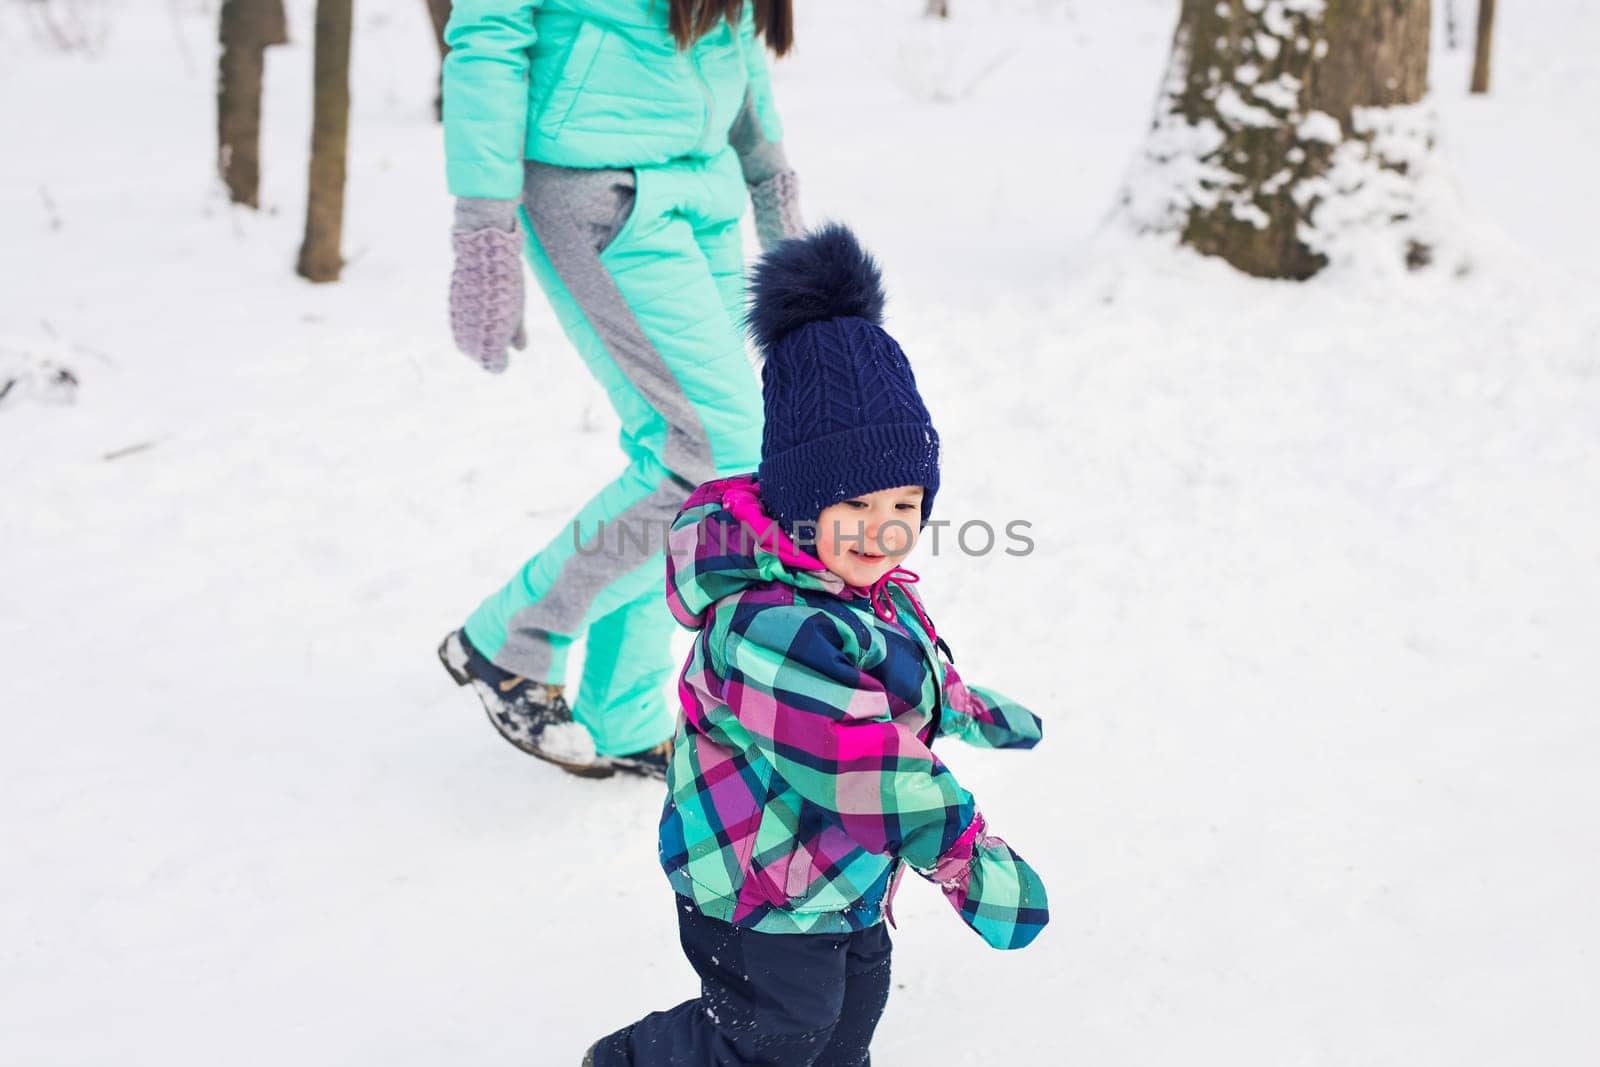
<point>937,9</point>
<point>1272,110</point>
<point>320,260</point>
<point>247,29</point>
<point>1480,62</point>
<point>1452,34</point>
<point>439,12</point>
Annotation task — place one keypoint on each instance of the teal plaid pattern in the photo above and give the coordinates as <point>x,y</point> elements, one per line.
<point>803,776</point>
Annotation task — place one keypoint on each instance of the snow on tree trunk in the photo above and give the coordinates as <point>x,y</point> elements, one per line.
<point>1289,132</point>
<point>320,259</point>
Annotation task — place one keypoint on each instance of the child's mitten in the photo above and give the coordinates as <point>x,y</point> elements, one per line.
<point>486,286</point>
<point>777,208</point>
<point>993,889</point>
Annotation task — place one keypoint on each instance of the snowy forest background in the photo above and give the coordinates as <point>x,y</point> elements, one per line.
<point>1311,616</point>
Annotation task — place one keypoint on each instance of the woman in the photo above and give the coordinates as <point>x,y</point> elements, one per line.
<point>614,143</point>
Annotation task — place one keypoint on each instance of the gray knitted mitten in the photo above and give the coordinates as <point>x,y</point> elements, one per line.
<point>777,208</point>
<point>486,294</point>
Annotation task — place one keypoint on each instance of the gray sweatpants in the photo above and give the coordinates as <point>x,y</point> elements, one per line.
<point>644,269</point>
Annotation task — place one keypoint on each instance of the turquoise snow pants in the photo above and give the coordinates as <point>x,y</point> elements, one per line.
<point>645,270</point>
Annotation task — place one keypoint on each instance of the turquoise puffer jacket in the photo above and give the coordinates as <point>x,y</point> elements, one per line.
<point>590,83</point>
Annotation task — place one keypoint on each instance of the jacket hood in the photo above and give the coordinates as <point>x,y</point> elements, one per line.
<point>724,541</point>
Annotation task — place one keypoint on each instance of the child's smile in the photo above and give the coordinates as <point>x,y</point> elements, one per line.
<point>863,538</point>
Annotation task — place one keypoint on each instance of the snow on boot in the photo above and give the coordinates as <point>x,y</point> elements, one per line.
<point>531,715</point>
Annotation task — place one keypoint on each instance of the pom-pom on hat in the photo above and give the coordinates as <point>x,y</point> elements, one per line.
<point>843,415</point>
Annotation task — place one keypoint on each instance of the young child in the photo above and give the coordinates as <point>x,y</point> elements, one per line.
<point>802,782</point>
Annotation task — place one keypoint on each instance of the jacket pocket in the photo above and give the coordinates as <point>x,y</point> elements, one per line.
<point>797,881</point>
<point>810,840</point>
<point>568,85</point>
<point>623,187</point>
<point>779,863</point>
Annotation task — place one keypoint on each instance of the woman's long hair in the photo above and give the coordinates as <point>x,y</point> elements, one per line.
<point>690,20</point>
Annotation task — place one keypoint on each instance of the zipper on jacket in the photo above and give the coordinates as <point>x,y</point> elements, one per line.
<point>894,885</point>
<point>705,96</point>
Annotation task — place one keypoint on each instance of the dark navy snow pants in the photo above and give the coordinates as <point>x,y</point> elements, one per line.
<point>806,1000</point>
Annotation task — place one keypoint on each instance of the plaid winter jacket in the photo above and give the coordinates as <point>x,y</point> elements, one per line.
<point>802,776</point>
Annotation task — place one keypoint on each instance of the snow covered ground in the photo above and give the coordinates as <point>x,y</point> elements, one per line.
<point>1311,616</point>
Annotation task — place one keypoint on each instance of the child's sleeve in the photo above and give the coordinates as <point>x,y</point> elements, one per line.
<point>486,96</point>
<point>985,717</point>
<point>796,695</point>
<point>794,691</point>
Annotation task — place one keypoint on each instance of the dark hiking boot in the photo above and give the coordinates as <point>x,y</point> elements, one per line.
<point>651,763</point>
<point>531,715</point>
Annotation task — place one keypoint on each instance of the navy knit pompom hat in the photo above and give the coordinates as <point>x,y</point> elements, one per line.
<point>843,415</point>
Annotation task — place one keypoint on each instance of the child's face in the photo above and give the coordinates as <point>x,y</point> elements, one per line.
<point>863,538</point>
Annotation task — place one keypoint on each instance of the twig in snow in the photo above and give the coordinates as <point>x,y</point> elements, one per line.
<point>995,64</point>
<point>50,208</point>
<point>128,451</point>
<point>90,350</point>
